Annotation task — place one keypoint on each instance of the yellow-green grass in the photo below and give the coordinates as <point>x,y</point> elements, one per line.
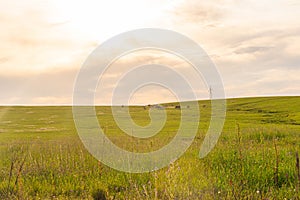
<point>42,156</point>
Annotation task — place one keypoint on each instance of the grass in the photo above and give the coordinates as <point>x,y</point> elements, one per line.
<point>42,156</point>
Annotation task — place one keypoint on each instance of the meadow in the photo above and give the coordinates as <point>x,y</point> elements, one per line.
<point>42,157</point>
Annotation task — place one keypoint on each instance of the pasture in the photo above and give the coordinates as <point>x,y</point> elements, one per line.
<point>42,157</point>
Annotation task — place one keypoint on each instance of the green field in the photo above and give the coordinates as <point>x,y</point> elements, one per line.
<point>42,156</point>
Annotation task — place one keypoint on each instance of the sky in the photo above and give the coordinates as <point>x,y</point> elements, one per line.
<point>43,44</point>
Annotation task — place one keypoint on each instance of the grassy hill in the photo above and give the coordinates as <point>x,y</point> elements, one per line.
<point>255,158</point>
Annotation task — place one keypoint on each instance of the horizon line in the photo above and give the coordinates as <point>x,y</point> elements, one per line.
<point>107,105</point>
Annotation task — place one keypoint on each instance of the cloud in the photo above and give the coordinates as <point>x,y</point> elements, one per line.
<point>128,68</point>
<point>250,50</point>
<point>4,59</point>
<point>198,12</point>
<point>54,85</point>
<point>30,41</point>
<point>255,44</point>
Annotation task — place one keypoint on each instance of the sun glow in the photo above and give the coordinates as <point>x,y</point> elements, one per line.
<point>100,20</point>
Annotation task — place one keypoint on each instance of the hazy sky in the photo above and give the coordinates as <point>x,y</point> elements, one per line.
<point>255,44</point>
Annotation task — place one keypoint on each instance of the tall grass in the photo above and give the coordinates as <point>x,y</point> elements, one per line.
<point>43,158</point>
